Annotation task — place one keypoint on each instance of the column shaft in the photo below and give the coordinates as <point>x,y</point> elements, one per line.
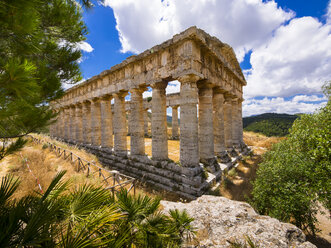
<point>72,124</point>
<point>66,124</point>
<point>189,148</point>
<point>119,123</point>
<point>61,124</point>
<point>137,125</point>
<point>206,131</point>
<point>240,123</point>
<point>107,124</point>
<point>86,111</point>
<point>228,122</point>
<point>146,121</point>
<point>79,123</point>
<point>96,123</point>
<point>175,122</point>
<point>219,140</point>
<point>235,123</point>
<point>159,122</point>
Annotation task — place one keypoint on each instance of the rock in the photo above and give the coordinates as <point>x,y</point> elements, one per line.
<point>218,219</point>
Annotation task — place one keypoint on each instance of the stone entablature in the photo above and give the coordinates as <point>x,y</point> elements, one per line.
<point>190,52</point>
<point>209,103</point>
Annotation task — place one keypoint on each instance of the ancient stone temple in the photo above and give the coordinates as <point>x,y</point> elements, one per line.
<point>95,114</point>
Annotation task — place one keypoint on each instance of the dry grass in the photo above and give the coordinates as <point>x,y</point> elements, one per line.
<point>237,184</point>
<point>259,142</point>
<point>44,164</point>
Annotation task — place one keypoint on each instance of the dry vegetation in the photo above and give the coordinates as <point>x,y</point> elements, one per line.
<point>45,164</point>
<point>237,182</point>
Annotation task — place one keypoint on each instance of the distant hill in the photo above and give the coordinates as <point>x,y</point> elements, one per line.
<point>269,124</point>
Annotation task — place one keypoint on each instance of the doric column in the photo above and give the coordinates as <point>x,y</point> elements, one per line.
<point>79,124</point>
<point>128,114</point>
<point>60,121</point>
<point>66,123</point>
<point>106,123</point>
<point>96,122</point>
<point>206,130</point>
<point>159,121</point>
<point>189,148</point>
<point>137,125</point>
<point>86,111</point>
<point>119,123</point>
<point>228,122</point>
<point>72,124</point>
<point>146,121</point>
<point>175,122</point>
<point>240,122</point>
<point>219,140</point>
<point>235,124</point>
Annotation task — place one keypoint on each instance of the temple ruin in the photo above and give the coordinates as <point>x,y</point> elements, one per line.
<point>209,104</point>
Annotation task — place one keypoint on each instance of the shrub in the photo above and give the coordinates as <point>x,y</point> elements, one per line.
<point>295,174</point>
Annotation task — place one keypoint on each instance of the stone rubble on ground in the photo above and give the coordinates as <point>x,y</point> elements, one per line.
<point>218,219</point>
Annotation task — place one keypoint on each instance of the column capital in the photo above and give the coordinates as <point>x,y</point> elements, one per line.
<point>175,106</point>
<point>189,78</point>
<point>137,90</point>
<point>106,98</point>
<point>205,84</point>
<point>160,85</point>
<point>120,94</point>
<point>96,100</point>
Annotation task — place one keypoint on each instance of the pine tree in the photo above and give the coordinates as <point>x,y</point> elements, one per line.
<point>38,52</point>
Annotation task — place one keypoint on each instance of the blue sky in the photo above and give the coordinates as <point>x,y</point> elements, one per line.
<point>284,46</point>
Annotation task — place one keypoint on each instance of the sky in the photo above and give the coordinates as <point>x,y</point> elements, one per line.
<point>283,46</point>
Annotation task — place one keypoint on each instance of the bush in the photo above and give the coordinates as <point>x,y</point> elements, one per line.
<point>295,174</point>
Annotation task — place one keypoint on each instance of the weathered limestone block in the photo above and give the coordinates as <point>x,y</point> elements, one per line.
<point>78,123</point>
<point>119,123</point>
<point>189,149</point>
<point>175,122</point>
<point>106,123</point>
<point>206,131</point>
<point>96,122</point>
<point>86,111</point>
<point>225,219</point>
<point>159,122</point>
<point>218,120</point>
<point>137,122</point>
<point>228,122</point>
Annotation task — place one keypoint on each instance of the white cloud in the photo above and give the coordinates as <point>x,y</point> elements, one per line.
<point>86,47</point>
<point>244,24</point>
<point>298,104</point>
<point>297,60</point>
<point>328,13</point>
<point>290,56</point>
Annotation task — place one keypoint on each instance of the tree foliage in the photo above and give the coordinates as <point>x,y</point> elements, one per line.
<point>295,174</point>
<point>86,216</point>
<point>270,124</point>
<point>38,52</point>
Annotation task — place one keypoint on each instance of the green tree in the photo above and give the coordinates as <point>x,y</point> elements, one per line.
<point>295,174</point>
<point>38,52</point>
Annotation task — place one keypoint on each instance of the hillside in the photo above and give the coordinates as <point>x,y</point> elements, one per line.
<point>269,124</point>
